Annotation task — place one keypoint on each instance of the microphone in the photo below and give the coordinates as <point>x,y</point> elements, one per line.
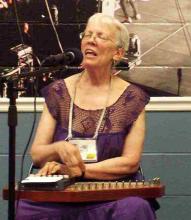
<point>68,61</point>
<point>72,57</point>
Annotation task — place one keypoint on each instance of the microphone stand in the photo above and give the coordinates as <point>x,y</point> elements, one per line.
<point>12,94</point>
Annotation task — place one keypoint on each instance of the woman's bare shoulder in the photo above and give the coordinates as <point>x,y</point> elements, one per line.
<point>121,84</point>
<point>118,87</point>
<point>71,82</point>
<point>72,79</point>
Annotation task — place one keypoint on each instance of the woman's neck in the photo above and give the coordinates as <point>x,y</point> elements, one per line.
<point>96,77</point>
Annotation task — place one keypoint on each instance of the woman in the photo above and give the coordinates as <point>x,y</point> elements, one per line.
<point>95,105</point>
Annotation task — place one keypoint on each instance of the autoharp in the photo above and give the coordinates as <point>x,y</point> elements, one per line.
<point>93,191</point>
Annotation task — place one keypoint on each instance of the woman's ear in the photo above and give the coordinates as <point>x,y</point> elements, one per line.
<point>120,53</point>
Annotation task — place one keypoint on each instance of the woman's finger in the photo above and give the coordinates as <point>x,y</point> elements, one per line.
<point>57,169</point>
<point>47,168</point>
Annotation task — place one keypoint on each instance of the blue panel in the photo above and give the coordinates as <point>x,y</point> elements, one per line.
<point>168,132</point>
<point>175,208</point>
<point>4,167</point>
<point>23,129</point>
<point>174,171</point>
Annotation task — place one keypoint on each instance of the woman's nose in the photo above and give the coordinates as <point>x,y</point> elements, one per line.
<point>93,37</point>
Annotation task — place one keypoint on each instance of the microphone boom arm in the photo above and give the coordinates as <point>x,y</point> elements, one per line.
<point>40,71</point>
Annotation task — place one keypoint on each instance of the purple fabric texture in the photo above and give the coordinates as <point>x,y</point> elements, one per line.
<point>117,122</point>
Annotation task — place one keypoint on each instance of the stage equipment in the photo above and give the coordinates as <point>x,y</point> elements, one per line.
<point>18,55</point>
<point>20,60</point>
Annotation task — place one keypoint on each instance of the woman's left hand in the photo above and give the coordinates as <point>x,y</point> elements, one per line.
<point>54,167</point>
<point>51,168</point>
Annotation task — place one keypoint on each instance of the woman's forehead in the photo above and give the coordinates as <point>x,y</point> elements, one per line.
<point>101,26</point>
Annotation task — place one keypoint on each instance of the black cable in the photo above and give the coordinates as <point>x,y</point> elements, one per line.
<point>29,139</point>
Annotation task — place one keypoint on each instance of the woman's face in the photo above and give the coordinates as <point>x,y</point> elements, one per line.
<point>98,45</point>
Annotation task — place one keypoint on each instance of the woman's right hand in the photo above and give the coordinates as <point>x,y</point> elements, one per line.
<point>71,157</point>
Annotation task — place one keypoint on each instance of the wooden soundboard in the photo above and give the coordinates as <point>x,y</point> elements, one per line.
<point>93,191</point>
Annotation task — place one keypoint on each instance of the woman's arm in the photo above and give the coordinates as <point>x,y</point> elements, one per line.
<point>43,150</point>
<point>129,161</point>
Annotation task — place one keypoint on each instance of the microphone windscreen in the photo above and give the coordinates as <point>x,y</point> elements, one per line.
<point>70,57</point>
<point>77,56</point>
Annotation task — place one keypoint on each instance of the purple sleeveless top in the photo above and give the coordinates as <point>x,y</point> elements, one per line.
<point>116,124</point>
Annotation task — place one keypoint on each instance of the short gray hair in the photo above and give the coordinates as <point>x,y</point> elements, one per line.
<point>122,34</point>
